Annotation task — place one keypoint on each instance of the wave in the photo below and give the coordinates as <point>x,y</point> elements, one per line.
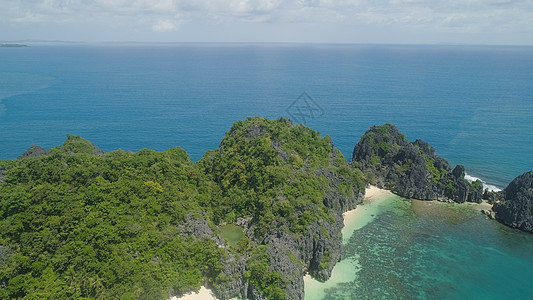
<point>486,186</point>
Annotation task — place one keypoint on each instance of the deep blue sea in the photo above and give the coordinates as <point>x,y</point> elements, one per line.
<point>474,104</point>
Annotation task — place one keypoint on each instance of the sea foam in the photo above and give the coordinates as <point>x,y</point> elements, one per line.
<point>486,186</point>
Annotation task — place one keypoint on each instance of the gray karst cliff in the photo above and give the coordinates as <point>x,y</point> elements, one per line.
<point>34,151</point>
<point>411,170</point>
<point>514,206</point>
<point>316,251</point>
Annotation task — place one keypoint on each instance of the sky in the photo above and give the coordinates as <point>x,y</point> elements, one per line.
<point>495,22</point>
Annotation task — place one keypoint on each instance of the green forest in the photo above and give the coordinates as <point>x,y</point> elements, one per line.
<point>77,223</point>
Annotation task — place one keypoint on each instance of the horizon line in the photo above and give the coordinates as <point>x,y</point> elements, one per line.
<point>258,43</point>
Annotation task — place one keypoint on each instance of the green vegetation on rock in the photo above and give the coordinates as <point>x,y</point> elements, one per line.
<point>410,169</point>
<point>269,169</point>
<point>76,222</point>
<point>81,225</point>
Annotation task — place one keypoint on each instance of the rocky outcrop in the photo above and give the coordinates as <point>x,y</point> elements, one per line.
<point>75,144</point>
<point>475,194</point>
<point>411,170</point>
<point>198,227</point>
<point>297,242</point>
<point>2,174</point>
<point>5,252</point>
<point>516,209</point>
<point>320,248</point>
<point>236,284</point>
<point>493,196</point>
<point>316,252</point>
<point>34,151</point>
<point>460,190</point>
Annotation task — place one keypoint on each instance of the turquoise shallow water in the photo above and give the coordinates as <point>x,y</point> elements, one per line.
<point>428,250</point>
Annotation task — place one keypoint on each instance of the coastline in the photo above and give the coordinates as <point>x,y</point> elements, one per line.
<point>203,294</point>
<point>346,269</point>
<point>363,213</point>
<point>354,219</point>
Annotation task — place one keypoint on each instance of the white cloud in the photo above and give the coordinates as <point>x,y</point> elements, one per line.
<point>164,25</point>
<point>456,16</point>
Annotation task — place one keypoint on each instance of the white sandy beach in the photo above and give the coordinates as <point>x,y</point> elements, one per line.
<point>203,294</point>
<point>371,193</point>
<point>363,213</point>
<point>345,270</point>
<point>482,206</point>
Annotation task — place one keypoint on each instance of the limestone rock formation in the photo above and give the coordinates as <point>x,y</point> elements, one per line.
<point>411,170</point>
<point>34,151</point>
<point>516,209</point>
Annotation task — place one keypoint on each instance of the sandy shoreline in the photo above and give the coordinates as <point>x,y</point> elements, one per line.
<point>371,193</point>
<point>363,214</point>
<point>203,294</point>
<point>354,219</point>
<point>482,206</point>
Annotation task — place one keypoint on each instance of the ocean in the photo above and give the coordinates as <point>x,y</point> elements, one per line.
<point>473,104</point>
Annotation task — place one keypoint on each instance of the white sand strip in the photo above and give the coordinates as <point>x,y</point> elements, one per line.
<point>365,212</point>
<point>346,269</point>
<point>203,294</point>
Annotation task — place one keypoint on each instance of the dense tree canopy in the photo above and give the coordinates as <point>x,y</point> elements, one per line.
<point>77,224</point>
<point>80,223</point>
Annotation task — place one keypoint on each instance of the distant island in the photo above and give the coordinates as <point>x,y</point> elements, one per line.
<point>13,45</point>
<point>248,220</point>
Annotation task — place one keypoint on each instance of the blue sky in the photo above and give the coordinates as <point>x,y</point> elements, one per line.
<point>326,21</point>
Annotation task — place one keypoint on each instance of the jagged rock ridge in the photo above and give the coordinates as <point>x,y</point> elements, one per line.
<point>515,208</point>
<point>411,170</point>
<point>34,151</point>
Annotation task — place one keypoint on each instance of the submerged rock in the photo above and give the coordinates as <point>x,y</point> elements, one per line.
<point>516,209</point>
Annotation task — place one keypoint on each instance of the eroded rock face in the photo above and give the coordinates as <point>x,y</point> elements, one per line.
<point>34,151</point>
<point>2,174</point>
<point>411,170</point>
<point>236,285</point>
<point>5,252</point>
<point>516,209</point>
<point>199,228</point>
<point>301,235</point>
<point>316,252</point>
